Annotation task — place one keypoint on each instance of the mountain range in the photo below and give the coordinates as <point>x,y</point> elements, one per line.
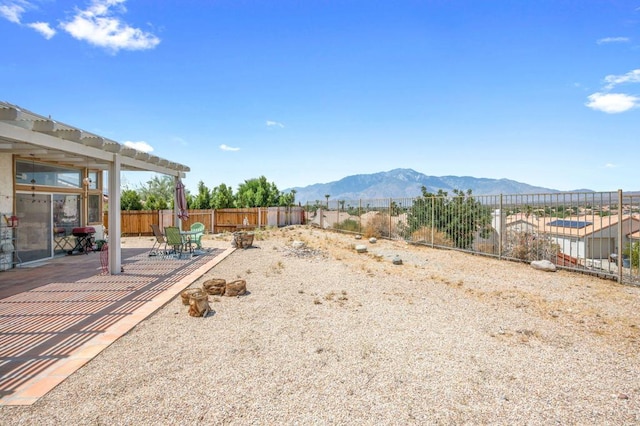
<point>407,183</point>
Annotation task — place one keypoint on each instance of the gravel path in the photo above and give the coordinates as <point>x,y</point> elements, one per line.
<point>329,336</point>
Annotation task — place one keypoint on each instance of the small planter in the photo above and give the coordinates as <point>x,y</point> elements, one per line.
<point>99,244</point>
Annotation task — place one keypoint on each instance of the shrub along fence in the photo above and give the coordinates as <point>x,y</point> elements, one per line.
<point>138,222</point>
<point>592,232</point>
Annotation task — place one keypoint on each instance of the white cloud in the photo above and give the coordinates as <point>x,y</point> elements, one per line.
<point>13,10</point>
<point>140,146</point>
<point>43,28</point>
<point>612,103</point>
<point>610,166</point>
<point>630,77</point>
<point>607,40</point>
<point>98,26</point>
<point>274,124</point>
<point>228,148</point>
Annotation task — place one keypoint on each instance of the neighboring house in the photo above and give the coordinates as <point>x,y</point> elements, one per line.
<point>580,237</point>
<point>522,222</point>
<point>634,237</point>
<point>590,237</point>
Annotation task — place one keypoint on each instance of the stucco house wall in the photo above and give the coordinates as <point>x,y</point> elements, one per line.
<point>6,183</point>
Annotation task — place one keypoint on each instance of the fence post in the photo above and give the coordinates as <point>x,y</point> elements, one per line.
<point>619,248</point>
<point>390,201</point>
<point>433,220</point>
<point>501,231</point>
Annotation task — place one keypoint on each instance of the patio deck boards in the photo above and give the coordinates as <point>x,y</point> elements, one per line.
<point>56,317</point>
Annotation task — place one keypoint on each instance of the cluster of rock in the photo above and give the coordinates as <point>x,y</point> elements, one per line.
<point>362,248</point>
<point>198,298</point>
<point>300,249</point>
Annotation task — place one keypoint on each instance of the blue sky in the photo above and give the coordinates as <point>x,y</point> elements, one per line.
<point>545,92</point>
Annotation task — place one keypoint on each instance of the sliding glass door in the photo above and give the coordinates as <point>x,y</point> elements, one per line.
<point>34,232</point>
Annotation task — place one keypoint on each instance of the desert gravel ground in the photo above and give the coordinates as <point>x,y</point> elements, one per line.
<point>329,336</point>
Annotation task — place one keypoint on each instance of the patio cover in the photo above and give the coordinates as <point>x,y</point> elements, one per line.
<point>24,133</point>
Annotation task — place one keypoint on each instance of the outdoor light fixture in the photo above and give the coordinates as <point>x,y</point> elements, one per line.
<point>87,180</point>
<point>33,179</point>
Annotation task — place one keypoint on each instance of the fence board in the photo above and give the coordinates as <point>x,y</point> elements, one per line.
<point>138,223</point>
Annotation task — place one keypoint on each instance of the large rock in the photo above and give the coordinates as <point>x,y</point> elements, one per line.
<point>543,265</point>
<point>361,248</point>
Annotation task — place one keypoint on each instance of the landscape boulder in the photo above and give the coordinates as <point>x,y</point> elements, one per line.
<point>543,265</point>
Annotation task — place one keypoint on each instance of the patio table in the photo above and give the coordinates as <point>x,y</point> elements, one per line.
<point>186,240</point>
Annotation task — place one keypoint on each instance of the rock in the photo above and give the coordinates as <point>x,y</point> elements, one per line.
<point>358,237</point>
<point>373,240</point>
<point>361,248</point>
<point>297,244</point>
<point>396,260</point>
<point>543,265</point>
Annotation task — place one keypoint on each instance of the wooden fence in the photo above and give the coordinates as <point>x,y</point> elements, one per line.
<point>138,223</point>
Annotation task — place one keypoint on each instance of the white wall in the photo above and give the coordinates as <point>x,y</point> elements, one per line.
<point>6,183</point>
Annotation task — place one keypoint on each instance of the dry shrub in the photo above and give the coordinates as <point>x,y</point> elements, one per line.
<point>426,235</point>
<point>378,227</point>
<point>488,248</point>
<point>528,246</point>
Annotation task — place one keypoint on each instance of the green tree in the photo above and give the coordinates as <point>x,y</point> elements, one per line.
<point>162,187</point>
<point>152,203</point>
<point>130,200</point>
<point>460,216</point>
<point>203,199</point>
<point>632,251</point>
<point>222,197</point>
<point>289,199</point>
<point>257,193</point>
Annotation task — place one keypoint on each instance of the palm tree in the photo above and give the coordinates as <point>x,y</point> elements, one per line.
<point>327,197</point>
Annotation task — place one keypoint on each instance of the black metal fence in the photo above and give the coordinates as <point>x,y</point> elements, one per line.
<point>593,232</point>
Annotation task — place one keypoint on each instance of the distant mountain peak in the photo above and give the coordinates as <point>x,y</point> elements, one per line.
<point>408,183</point>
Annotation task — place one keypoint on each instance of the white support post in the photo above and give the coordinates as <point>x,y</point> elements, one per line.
<point>115,255</point>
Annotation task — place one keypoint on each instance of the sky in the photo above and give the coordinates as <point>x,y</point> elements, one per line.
<point>543,92</point>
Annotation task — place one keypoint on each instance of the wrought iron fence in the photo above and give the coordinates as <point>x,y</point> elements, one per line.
<point>591,232</point>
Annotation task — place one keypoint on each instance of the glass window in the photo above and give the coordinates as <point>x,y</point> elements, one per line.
<point>32,173</point>
<point>93,180</point>
<point>66,211</point>
<point>94,212</point>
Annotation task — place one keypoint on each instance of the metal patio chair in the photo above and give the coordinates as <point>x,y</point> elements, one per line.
<point>174,239</point>
<point>195,238</point>
<point>159,243</point>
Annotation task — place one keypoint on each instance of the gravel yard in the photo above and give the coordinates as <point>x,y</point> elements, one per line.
<point>326,335</point>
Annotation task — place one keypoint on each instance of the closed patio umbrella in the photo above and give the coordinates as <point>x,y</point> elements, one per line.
<point>181,201</point>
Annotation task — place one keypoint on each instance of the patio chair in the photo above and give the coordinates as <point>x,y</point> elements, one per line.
<point>174,239</point>
<point>195,238</point>
<point>160,241</point>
